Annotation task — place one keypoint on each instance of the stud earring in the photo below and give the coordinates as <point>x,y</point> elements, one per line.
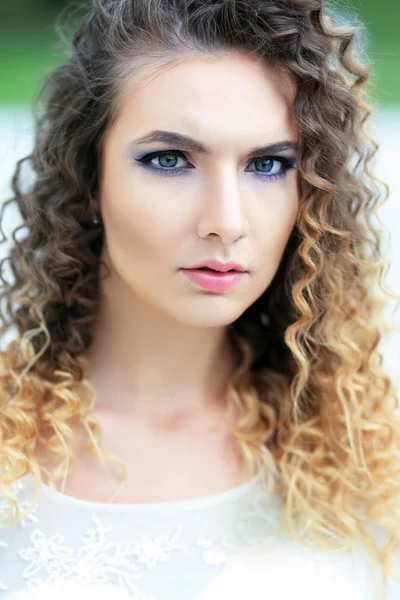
<point>265,319</point>
<point>95,220</point>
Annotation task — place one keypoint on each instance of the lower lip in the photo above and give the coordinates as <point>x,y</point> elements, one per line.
<point>214,281</point>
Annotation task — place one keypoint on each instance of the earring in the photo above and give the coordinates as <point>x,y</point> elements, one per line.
<point>265,319</point>
<point>95,220</point>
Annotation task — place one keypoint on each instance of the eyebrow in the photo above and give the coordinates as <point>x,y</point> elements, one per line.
<point>189,144</point>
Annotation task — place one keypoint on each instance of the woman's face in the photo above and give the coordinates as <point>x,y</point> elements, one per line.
<point>223,201</point>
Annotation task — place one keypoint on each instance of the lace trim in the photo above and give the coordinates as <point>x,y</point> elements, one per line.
<point>103,561</point>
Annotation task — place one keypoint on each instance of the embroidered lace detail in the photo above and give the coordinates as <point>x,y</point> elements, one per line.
<point>212,555</point>
<point>149,551</point>
<point>97,561</point>
<point>7,513</point>
<point>259,527</point>
<point>7,510</point>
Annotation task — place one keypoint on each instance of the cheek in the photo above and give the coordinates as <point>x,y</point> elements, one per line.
<point>276,223</point>
<point>138,243</point>
<point>137,221</point>
<point>137,218</point>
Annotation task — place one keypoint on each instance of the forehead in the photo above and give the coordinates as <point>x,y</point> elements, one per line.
<point>234,96</point>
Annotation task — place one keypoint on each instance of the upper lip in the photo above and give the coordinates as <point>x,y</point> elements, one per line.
<point>216,265</point>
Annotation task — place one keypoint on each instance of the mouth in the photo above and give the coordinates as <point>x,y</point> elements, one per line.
<point>212,270</point>
<point>214,281</point>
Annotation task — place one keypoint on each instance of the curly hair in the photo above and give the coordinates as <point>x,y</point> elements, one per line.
<point>315,403</point>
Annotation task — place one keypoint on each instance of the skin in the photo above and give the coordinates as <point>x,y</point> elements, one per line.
<point>159,359</point>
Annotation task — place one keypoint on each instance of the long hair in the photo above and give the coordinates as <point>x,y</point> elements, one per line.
<point>315,402</point>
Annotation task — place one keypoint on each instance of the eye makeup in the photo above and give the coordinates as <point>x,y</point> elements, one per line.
<point>287,163</point>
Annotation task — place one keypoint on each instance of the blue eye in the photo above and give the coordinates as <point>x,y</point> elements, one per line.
<point>169,167</point>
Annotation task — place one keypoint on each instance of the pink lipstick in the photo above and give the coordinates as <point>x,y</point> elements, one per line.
<point>215,276</point>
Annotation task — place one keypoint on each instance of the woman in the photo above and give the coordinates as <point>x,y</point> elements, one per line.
<point>194,406</point>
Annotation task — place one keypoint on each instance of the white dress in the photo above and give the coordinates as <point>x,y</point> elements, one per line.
<point>223,546</point>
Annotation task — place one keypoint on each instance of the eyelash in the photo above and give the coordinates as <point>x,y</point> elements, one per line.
<point>287,162</point>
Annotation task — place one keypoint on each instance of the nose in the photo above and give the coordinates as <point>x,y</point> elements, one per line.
<point>224,211</point>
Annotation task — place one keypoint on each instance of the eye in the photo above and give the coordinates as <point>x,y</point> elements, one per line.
<point>166,160</point>
<point>268,165</point>
<point>271,167</point>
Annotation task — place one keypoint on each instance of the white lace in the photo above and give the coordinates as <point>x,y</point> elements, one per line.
<point>100,559</point>
<point>118,549</point>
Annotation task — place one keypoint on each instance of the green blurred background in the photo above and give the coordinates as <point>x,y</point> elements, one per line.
<point>29,44</point>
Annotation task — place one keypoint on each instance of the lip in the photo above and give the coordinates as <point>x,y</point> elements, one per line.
<point>219,266</point>
<point>214,281</point>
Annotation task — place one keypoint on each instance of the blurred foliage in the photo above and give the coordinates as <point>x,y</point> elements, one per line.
<point>30,45</point>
